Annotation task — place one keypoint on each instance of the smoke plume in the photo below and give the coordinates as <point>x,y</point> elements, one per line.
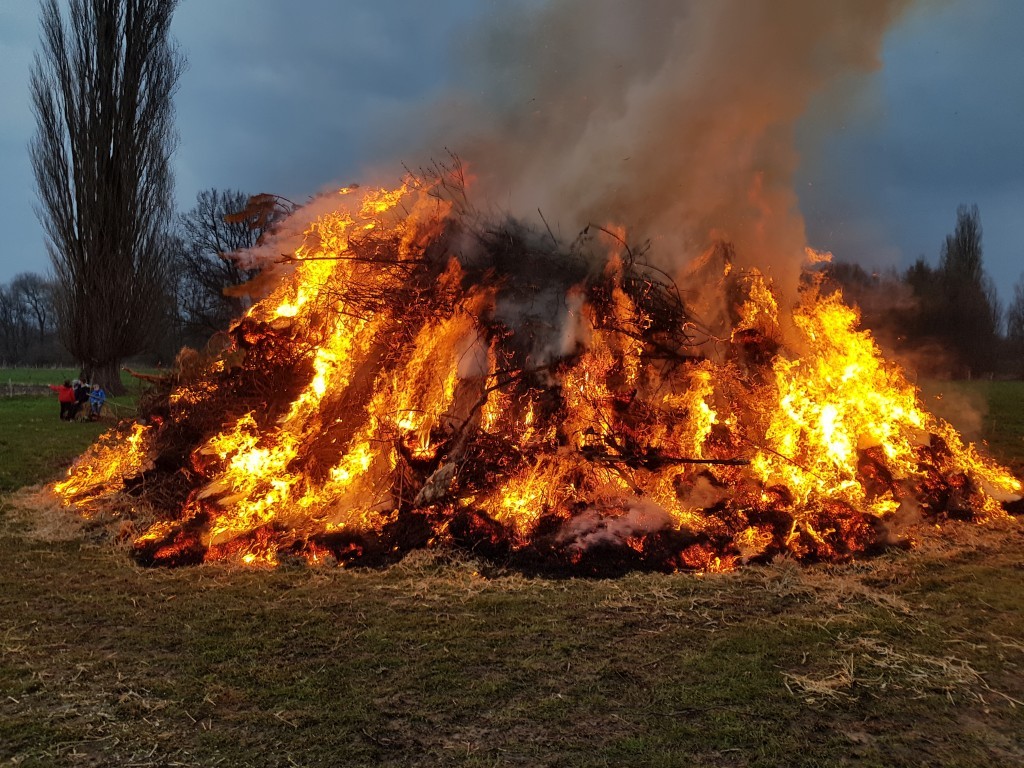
<point>674,119</point>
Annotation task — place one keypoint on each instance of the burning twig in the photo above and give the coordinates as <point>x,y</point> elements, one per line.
<point>423,378</point>
<point>554,240</point>
<point>656,461</point>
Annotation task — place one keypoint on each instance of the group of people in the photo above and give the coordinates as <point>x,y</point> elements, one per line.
<point>73,396</point>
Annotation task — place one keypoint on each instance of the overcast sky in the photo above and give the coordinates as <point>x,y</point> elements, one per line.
<point>292,97</point>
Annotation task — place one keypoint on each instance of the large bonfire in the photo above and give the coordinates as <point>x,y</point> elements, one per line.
<point>417,377</point>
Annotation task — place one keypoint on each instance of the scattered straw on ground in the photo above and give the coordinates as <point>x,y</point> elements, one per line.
<point>41,516</point>
<point>871,666</point>
<point>36,513</point>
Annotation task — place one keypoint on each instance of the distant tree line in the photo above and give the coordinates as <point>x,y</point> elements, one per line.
<point>190,304</point>
<point>28,322</point>
<point>949,316</point>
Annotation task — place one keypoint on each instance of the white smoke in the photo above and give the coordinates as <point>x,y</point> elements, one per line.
<point>614,525</point>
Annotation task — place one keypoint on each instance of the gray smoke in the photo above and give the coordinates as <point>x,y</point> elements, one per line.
<point>673,118</point>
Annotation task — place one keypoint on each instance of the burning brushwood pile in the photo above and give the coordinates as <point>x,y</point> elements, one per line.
<point>416,378</point>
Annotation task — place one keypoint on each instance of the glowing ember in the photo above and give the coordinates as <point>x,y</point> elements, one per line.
<point>412,381</point>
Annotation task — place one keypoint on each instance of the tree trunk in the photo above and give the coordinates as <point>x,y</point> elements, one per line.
<point>107,375</point>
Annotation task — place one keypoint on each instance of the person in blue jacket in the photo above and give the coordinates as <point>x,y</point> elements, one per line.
<point>97,397</point>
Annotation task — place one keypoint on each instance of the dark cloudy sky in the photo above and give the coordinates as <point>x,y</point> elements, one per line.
<point>293,97</point>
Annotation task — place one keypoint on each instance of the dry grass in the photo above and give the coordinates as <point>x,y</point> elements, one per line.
<point>870,666</point>
<point>907,659</point>
<point>914,658</point>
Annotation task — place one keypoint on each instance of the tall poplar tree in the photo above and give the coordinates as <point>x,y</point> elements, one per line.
<point>101,86</point>
<point>970,316</point>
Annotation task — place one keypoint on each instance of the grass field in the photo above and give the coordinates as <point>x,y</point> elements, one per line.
<point>35,445</point>
<point>37,375</point>
<point>56,376</point>
<point>910,659</point>
<point>1003,419</point>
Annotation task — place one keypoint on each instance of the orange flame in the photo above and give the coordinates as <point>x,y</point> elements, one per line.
<point>410,396</point>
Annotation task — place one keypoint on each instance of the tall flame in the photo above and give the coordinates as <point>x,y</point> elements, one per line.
<point>399,390</point>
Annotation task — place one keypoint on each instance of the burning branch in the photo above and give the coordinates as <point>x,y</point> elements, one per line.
<point>419,378</point>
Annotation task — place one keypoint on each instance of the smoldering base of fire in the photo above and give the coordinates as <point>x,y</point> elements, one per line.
<point>417,375</point>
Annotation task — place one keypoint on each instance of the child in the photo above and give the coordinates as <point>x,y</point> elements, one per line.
<point>81,390</point>
<point>96,400</point>
<point>66,398</point>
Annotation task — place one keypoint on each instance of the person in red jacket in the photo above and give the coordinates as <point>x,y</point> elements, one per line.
<point>66,398</point>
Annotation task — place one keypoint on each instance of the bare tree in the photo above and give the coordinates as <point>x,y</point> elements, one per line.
<point>972,315</point>
<point>961,257</point>
<point>102,88</point>
<point>958,305</point>
<point>35,293</point>
<point>1015,322</point>
<point>212,230</point>
<point>13,326</point>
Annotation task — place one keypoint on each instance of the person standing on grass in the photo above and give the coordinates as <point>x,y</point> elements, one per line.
<point>81,395</point>
<point>66,398</point>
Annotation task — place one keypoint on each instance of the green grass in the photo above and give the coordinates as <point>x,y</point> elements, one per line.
<point>37,375</point>
<point>906,660</point>
<point>36,446</point>
<point>1003,420</point>
<point>989,412</point>
<point>58,375</point>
